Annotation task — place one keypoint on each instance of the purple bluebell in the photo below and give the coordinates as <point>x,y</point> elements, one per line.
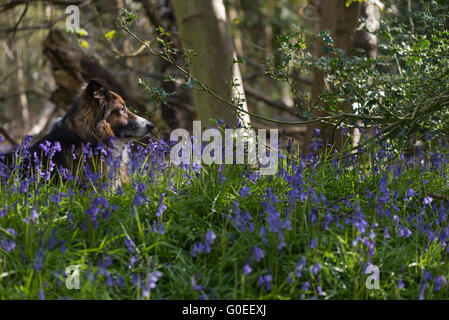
<point>129,244</point>
<point>316,268</point>
<point>194,285</point>
<point>400,283</point>
<point>313,243</point>
<point>152,279</point>
<point>259,254</point>
<point>161,208</point>
<point>439,282</point>
<point>247,269</point>
<point>265,280</point>
<point>427,200</point>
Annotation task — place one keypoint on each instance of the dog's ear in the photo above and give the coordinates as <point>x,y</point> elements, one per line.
<point>96,90</point>
<point>104,130</point>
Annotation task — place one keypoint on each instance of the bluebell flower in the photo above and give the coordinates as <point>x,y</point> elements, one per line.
<point>305,287</point>
<point>152,279</point>
<point>161,208</point>
<point>12,232</point>
<point>62,247</point>
<point>259,254</point>
<point>120,281</point>
<point>8,245</point>
<point>427,200</point>
<point>33,216</point>
<point>400,283</point>
<point>38,262</point>
<point>438,282</point>
<point>244,191</point>
<point>327,220</point>
<point>404,232</point>
<point>210,237</point>
<point>265,280</point>
<point>247,269</point>
<point>427,276</point>
<point>194,285</point>
<point>422,290</point>
<point>313,243</point>
<point>3,212</point>
<point>41,294</point>
<point>396,219</point>
<point>300,266</point>
<point>46,147</point>
<point>197,249</point>
<point>51,240</point>
<point>316,268</point>
<point>442,213</point>
<point>129,244</point>
<point>386,234</point>
<point>132,261</point>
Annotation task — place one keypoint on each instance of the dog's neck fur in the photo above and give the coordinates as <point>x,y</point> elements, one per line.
<point>120,148</point>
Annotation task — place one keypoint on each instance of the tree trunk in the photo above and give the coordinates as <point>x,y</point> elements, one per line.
<point>368,42</point>
<point>325,22</point>
<point>161,14</point>
<point>204,29</point>
<point>341,21</point>
<point>71,67</point>
<point>14,54</point>
<point>345,24</point>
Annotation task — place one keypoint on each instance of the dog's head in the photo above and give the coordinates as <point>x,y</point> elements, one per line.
<point>112,117</point>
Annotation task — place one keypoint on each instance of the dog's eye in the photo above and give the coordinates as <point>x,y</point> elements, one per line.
<point>123,110</point>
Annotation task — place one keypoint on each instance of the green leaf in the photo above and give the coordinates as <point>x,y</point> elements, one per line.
<point>424,44</point>
<point>239,60</point>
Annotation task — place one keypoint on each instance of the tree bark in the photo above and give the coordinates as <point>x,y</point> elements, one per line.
<point>326,22</point>
<point>341,21</point>
<point>205,30</point>
<point>71,67</point>
<point>161,14</point>
<point>368,42</point>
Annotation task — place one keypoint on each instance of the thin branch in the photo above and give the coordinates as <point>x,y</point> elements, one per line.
<point>124,25</point>
<point>181,104</point>
<point>288,131</point>
<point>21,17</point>
<point>4,133</point>
<point>12,4</point>
<point>49,24</point>
<point>9,74</point>
<point>260,67</point>
<point>271,102</point>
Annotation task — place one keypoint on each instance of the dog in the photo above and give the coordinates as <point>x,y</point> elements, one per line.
<point>98,116</point>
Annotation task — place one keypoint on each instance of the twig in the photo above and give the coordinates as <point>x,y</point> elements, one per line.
<point>9,74</point>
<point>123,25</point>
<point>7,136</point>
<point>438,196</point>
<point>49,24</point>
<point>21,17</point>
<point>277,104</point>
<point>12,4</point>
<point>261,68</point>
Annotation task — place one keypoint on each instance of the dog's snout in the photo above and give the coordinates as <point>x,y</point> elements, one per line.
<point>150,126</point>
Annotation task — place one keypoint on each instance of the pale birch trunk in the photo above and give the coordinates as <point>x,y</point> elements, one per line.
<point>204,29</point>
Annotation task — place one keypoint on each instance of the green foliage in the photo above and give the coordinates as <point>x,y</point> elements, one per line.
<point>197,201</point>
<point>403,92</point>
<point>128,15</point>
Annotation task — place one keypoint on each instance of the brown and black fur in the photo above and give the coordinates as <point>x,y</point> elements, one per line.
<point>97,115</point>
